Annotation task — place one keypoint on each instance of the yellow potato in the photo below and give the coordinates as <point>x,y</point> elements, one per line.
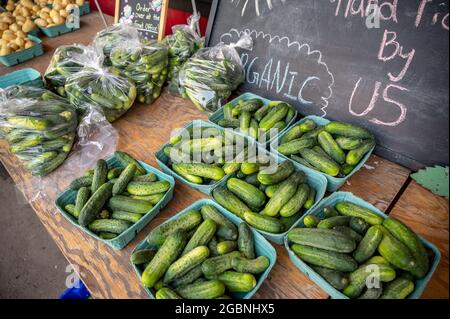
<point>3,26</point>
<point>20,18</point>
<point>3,42</point>
<point>14,27</point>
<point>41,22</point>
<point>79,2</point>
<point>28,26</point>
<point>27,3</point>
<point>49,20</point>
<point>20,42</point>
<point>8,37</point>
<point>13,46</point>
<point>8,19</point>
<point>20,23</point>
<point>44,15</point>
<point>46,9</point>
<point>35,8</point>
<point>28,44</point>
<point>5,50</point>
<point>25,12</point>
<point>59,20</point>
<point>21,34</point>
<point>54,13</point>
<point>63,13</point>
<point>10,7</point>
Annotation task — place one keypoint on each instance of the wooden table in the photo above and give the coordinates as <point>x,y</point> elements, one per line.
<point>109,274</point>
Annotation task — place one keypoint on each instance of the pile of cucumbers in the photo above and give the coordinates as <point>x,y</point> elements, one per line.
<point>67,60</point>
<point>97,87</point>
<point>110,200</point>
<point>200,255</point>
<point>257,120</point>
<point>334,149</point>
<point>352,243</point>
<point>268,199</point>
<point>145,63</point>
<point>208,81</point>
<point>39,126</point>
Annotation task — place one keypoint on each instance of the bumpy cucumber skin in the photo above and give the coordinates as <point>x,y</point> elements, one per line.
<point>246,242</point>
<point>217,265</point>
<point>95,204</point>
<point>203,234</point>
<point>229,201</point>
<point>276,114</point>
<point>320,162</point>
<point>126,216</point>
<point>128,204</point>
<point>203,170</point>
<point>400,288</point>
<point>325,258</point>
<point>81,199</point>
<point>251,266</point>
<point>359,225</point>
<point>125,177</point>
<point>237,282</point>
<point>150,177</point>
<point>311,221</point>
<point>347,130</point>
<point>114,173</point>
<point>331,222</point>
<point>186,263</point>
<point>396,253</point>
<point>284,170</point>
<point>114,226</point>
<point>353,210</point>
<point>142,256</point>
<point>166,255</point>
<point>327,239</point>
<point>225,247</point>
<point>147,189</point>
<point>189,277</point>
<point>403,233</point>
<point>335,278</point>
<point>368,245</point>
<point>125,159</point>
<point>226,229</point>
<point>295,146</point>
<point>348,143</point>
<point>250,194</point>
<point>166,293</point>
<point>202,290</point>
<point>372,293</point>
<point>185,223</point>
<point>349,233</point>
<point>264,223</point>
<point>70,208</point>
<point>85,181</point>
<point>296,203</point>
<point>359,276</point>
<point>332,148</point>
<point>153,199</point>
<point>100,175</point>
<point>355,156</point>
<point>189,177</point>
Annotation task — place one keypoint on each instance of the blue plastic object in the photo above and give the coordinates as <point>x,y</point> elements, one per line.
<point>315,180</point>
<point>77,292</point>
<point>27,77</point>
<point>218,115</point>
<point>69,196</point>
<point>57,30</point>
<point>262,248</point>
<point>334,183</point>
<point>24,55</point>
<point>318,212</point>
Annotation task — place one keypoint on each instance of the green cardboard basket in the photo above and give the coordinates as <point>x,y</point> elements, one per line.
<point>334,183</point>
<point>334,293</point>
<point>262,248</point>
<point>26,77</point>
<point>57,30</point>
<point>23,55</point>
<point>69,195</point>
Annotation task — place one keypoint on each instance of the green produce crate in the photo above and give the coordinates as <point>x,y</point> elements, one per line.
<point>334,183</point>
<point>262,248</point>
<point>163,161</point>
<point>34,32</point>
<point>24,55</point>
<point>334,293</point>
<point>85,9</point>
<point>57,30</point>
<point>26,77</point>
<point>315,179</point>
<point>218,115</point>
<point>69,195</point>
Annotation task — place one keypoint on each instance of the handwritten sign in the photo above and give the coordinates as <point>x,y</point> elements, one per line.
<point>382,64</point>
<point>148,15</point>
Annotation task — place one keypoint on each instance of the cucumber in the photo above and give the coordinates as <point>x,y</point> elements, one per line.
<point>349,233</point>
<point>284,170</point>
<point>228,111</point>
<point>142,256</point>
<point>225,247</point>
<point>355,156</point>
<point>125,159</point>
<point>217,265</point>
<point>237,282</point>
<point>49,166</point>
<point>114,173</point>
<point>302,161</point>
<point>396,253</point>
<point>248,106</point>
<point>189,177</point>
<point>327,239</point>
<point>95,204</point>
<point>332,148</point>
<point>262,112</point>
<point>377,260</point>
<point>253,180</point>
<point>253,130</point>
<point>320,162</point>
<point>212,245</point>
<point>359,277</point>
<point>272,190</point>
<point>229,201</point>
<point>28,142</point>
<point>203,234</point>
<point>264,223</point>
<point>104,214</point>
<point>246,242</point>
<point>404,234</point>
<point>329,211</point>
<point>275,115</point>
<point>107,235</point>
<point>70,208</point>
<point>400,288</point>
<point>311,199</point>
<point>244,122</point>
<point>353,210</point>
<point>311,221</point>
<point>28,122</point>
<point>331,222</point>
<point>146,188</point>
<point>319,150</point>
<point>372,293</point>
<point>359,225</point>
<point>251,195</point>
<point>153,199</point>
<point>81,199</point>
<point>188,278</point>
<point>186,263</point>
<point>100,175</point>
<point>166,255</point>
<point>314,133</point>
<point>85,181</point>
<point>130,217</point>
<point>229,123</point>
<point>325,258</point>
<point>226,229</point>
<point>203,170</point>
<point>347,130</point>
<point>295,146</point>
<point>250,168</point>
<point>166,293</point>
<point>109,225</point>
<point>39,160</point>
<point>285,192</point>
<point>295,204</point>
<point>347,169</point>
<point>292,134</point>
<point>251,266</point>
<point>348,143</point>
<point>202,290</point>
<point>185,223</point>
<point>125,177</point>
<point>335,278</point>
<point>128,204</point>
<point>150,177</point>
<point>368,245</point>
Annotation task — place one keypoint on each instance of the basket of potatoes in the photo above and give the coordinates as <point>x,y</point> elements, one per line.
<point>58,17</point>
<point>18,17</point>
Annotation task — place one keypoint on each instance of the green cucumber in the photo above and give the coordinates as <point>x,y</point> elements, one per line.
<point>295,146</point>
<point>237,282</point>
<point>188,278</point>
<point>125,177</point>
<point>100,175</point>
<point>348,143</point>
<point>355,156</point>
<point>147,188</point>
<point>85,181</point>
<point>349,233</point>
<point>359,277</point>
<point>153,199</point>
<point>246,242</point>
<point>114,173</point>
<point>228,111</point>
<point>202,235</point>
<point>353,210</point>
<point>372,293</point>
<point>130,217</point>
<point>81,199</point>
<point>275,115</point>
<point>272,190</point>
<point>283,171</point>
<point>302,161</point>
<point>359,225</point>
<point>347,130</point>
<point>94,205</point>
<point>327,239</point>
<point>250,194</point>
<point>331,222</point>
<point>142,256</point>
<point>202,290</point>
<point>311,221</point>
<point>368,245</point>
<point>251,266</point>
<point>264,223</point>
<point>226,229</point>
<point>107,235</point>
<point>295,204</point>
<point>225,247</point>
<point>128,204</point>
<point>217,265</point>
<point>320,162</point>
<point>150,177</point>
<point>347,169</point>
<point>244,122</point>
<point>109,225</point>
<point>396,253</point>
<point>330,212</point>
<point>253,130</point>
<point>253,180</point>
<point>332,148</point>
<point>166,293</point>
<point>186,263</point>
<point>70,208</point>
<point>292,134</point>
<point>400,288</point>
<point>203,170</point>
<point>212,245</point>
<point>125,159</point>
<point>229,201</point>
<point>189,177</point>
<point>335,278</point>
<point>250,168</point>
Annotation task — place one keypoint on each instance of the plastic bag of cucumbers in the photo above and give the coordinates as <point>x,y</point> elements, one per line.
<point>210,76</point>
<point>182,44</point>
<point>145,63</point>
<point>66,61</point>
<point>99,87</point>
<point>39,126</point>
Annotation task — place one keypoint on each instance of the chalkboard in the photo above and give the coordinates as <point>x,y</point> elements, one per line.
<point>383,67</point>
<point>148,15</point>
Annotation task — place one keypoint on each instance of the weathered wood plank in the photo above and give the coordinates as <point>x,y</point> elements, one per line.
<point>427,215</point>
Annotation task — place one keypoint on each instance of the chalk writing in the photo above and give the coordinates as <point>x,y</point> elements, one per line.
<point>145,15</point>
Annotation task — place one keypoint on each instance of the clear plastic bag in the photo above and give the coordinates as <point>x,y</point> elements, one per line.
<point>66,61</point>
<point>182,44</point>
<point>39,126</point>
<point>210,76</point>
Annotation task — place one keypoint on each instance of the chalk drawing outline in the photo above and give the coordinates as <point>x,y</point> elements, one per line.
<point>272,38</point>
<point>245,3</point>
